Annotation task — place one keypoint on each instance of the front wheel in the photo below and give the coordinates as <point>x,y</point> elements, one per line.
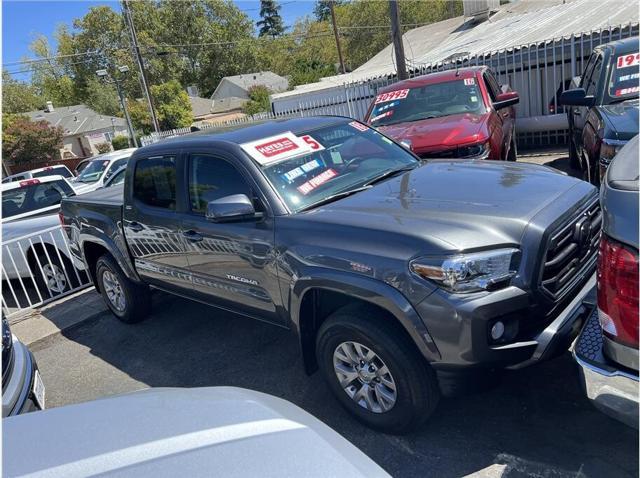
<point>375,371</point>
<point>128,301</point>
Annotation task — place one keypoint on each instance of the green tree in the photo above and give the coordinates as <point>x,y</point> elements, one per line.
<point>19,97</point>
<point>172,104</point>
<point>120,142</point>
<point>101,97</point>
<point>259,101</point>
<point>140,117</point>
<point>29,142</point>
<point>271,21</point>
<point>322,9</point>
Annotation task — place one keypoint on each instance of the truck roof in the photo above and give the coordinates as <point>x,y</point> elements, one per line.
<point>432,78</point>
<point>239,134</point>
<point>627,45</point>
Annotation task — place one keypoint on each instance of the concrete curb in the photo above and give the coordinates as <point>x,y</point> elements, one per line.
<point>58,316</point>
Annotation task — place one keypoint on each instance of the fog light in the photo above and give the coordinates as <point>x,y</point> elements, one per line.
<point>497,330</point>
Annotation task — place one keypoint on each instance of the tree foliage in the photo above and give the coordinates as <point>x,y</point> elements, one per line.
<point>258,101</point>
<point>173,107</point>
<point>28,142</point>
<point>19,97</point>
<point>120,142</point>
<point>271,21</point>
<point>103,147</point>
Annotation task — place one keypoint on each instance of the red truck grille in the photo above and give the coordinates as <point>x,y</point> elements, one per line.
<point>572,249</point>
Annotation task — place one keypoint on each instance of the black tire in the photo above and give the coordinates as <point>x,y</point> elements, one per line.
<point>589,171</point>
<point>137,298</point>
<point>513,149</point>
<point>574,161</point>
<point>44,269</point>
<point>417,391</point>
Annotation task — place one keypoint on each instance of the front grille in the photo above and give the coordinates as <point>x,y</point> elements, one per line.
<point>449,153</point>
<point>571,249</point>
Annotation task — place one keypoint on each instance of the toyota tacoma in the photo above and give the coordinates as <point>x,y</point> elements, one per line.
<point>402,278</point>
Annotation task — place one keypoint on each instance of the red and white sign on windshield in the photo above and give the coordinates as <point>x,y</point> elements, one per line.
<point>316,181</point>
<point>282,146</point>
<point>625,61</point>
<point>392,95</point>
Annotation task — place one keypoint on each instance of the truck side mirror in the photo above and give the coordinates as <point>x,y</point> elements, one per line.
<point>504,100</point>
<point>235,207</point>
<point>576,97</point>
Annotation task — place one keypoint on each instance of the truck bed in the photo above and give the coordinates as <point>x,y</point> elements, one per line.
<point>113,196</point>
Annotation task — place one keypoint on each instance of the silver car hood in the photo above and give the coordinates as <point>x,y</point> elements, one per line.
<point>221,431</point>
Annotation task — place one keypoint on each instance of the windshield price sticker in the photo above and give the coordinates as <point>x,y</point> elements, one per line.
<point>625,61</point>
<point>382,115</point>
<point>392,95</point>
<point>282,146</point>
<point>313,183</point>
<point>358,126</point>
<point>627,91</point>
<point>469,81</point>
<point>633,76</point>
<point>300,170</point>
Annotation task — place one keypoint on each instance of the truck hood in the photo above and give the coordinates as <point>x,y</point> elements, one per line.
<point>217,431</point>
<point>83,188</point>
<point>447,206</point>
<point>438,133</point>
<point>622,118</point>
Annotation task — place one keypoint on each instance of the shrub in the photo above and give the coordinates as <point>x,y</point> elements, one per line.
<point>103,148</point>
<point>120,142</point>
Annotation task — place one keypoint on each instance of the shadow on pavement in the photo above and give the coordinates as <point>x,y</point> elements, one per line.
<point>535,423</point>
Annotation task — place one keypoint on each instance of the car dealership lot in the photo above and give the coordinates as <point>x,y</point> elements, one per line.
<point>536,422</point>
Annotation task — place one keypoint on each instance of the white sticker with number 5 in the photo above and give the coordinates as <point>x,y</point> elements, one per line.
<point>315,146</point>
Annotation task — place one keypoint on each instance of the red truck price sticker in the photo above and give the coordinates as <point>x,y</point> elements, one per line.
<point>276,148</point>
<point>627,91</point>
<point>469,81</point>
<point>313,183</point>
<point>382,115</point>
<point>625,61</point>
<point>358,126</point>
<point>392,95</point>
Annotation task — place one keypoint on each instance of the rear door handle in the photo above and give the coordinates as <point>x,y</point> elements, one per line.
<point>192,236</point>
<point>135,227</point>
<point>576,112</point>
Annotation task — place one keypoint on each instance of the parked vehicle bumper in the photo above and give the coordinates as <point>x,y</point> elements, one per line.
<point>460,328</point>
<point>18,393</point>
<point>611,389</point>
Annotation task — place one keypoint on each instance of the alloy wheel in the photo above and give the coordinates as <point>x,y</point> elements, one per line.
<point>54,278</point>
<point>113,289</point>
<point>364,377</point>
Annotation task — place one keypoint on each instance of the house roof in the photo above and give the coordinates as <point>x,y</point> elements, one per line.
<point>515,24</point>
<point>222,105</point>
<point>265,78</point>
<point>200,106</point>
<point>76,119</point>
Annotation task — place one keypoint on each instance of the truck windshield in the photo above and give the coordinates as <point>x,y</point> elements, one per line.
<point>428,101</point>
<point>93,172</point>
<point>33,196</point>
<point>625,79</point>
<point>337,159</point>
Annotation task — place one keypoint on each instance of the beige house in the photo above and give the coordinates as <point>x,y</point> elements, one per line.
<point>84,128</point>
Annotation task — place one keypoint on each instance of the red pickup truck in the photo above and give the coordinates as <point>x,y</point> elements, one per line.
<point>460,113</point>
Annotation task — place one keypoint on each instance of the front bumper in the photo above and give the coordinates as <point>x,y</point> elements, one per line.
<point>18,394</point>
<point>610,389</point>
<point>459,326</point>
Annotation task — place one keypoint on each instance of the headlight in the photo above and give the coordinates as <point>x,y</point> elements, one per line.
<point>469,272</point>
<point>475,151</point>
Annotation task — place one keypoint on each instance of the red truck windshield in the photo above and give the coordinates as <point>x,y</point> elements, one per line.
<point>428,101</point>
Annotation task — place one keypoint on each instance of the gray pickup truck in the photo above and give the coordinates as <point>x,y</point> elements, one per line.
<point>402,278</point>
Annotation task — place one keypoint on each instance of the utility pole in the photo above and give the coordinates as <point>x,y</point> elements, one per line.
<point>113,79</point>
<point>396,36</point>
<point>136,52</point>
<point>335,33</point>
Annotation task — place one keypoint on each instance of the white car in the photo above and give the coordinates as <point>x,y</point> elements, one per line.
<point>33,244</point>
<point>58,170</point>
<point>100,169</point>
<point>191,432</point>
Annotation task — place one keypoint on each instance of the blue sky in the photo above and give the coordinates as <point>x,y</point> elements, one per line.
<point>23,20</point>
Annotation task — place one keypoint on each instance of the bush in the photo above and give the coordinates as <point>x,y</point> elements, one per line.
<point>120,142</point>
<point>258,100</point>
<point>103,148</point>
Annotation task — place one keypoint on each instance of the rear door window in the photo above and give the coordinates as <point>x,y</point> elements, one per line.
<point>154,182</point>
<point>33,197</point>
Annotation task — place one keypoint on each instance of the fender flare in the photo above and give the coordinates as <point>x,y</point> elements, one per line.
<point>369,290</point>
<point>100,238</point>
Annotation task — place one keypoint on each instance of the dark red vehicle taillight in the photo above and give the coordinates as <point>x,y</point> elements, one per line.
<point>618,292</point>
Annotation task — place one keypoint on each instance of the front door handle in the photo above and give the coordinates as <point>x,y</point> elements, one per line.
<point>192,236</point>
<point>576,112</point>
<point>135,227</point>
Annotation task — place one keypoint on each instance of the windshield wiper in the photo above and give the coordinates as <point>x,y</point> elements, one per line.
<point>388,173</point>
<point>335,197</point>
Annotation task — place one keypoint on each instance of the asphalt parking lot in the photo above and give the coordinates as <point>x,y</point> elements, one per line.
<point>536,422</point>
